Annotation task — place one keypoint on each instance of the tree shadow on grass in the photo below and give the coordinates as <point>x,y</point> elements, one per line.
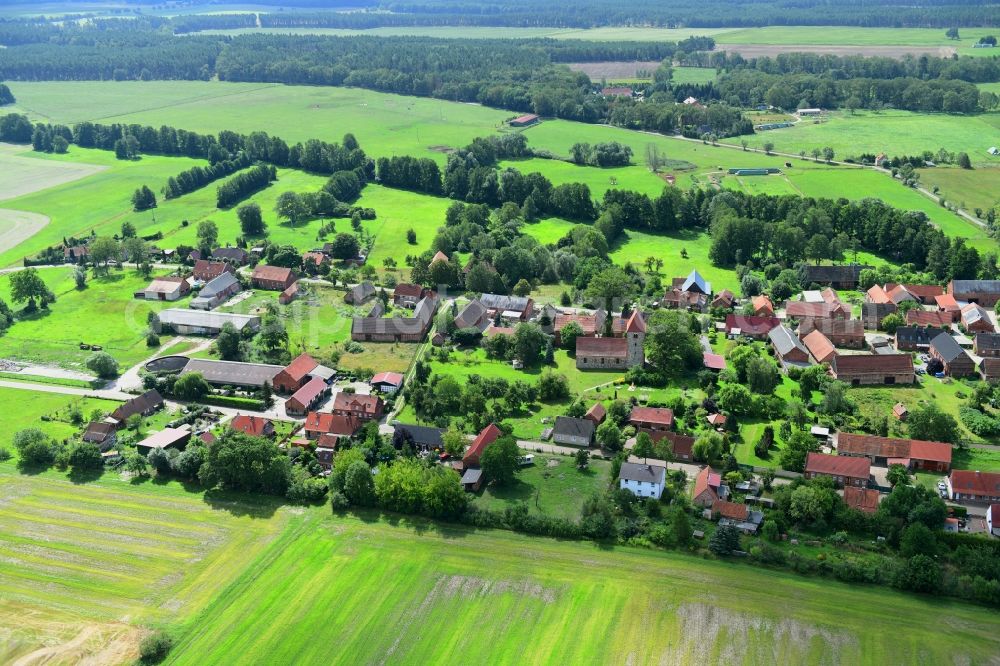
<point>243,505</point>
<point>517,490</point>
<point>81,476</point>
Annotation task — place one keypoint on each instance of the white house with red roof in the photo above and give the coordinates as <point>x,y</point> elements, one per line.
<point>387,382</point>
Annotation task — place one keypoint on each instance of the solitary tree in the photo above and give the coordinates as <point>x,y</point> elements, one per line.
<point>27,285</point>
<point>291,207</point>
<point>208,236</point>
<point>251,219</point>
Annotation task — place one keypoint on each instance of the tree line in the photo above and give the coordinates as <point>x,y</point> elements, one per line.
<point>198,176</point>
<point>244,184</point>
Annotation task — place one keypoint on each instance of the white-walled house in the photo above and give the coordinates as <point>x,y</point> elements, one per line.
<point>642,479</point>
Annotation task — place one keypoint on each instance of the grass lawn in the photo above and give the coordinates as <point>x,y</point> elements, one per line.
<point>238,581</point>
<point>103,314</point>
<point>983,460</point>
<point>553,486</point>
<point>22,408</point>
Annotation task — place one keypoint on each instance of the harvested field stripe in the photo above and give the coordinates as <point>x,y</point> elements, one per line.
<point>78,511</point>
<point>95,548</point>
<point>42,516</point>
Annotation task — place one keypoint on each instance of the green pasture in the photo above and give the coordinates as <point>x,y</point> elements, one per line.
<point>104,313</point>
<point>892,132</point>
<point>970,189</point>
<point>552,486</point>
<point>636,177</point>
<point>22,408</point>
<point>695,75</point>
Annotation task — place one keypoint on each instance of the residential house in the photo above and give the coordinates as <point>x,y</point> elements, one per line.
<point>724,299</point>
<point>681,446</point>
<point>573,432</point>
<point>315,259</point>
<point>308,397</point>
<point>652,418</point>
<point>987,344</point>
<point>838,277</point>
<point>642,479</point>
<point>596,414</point>
<point>872,314</point>
<point>360,293</point>
<point>984,292</point>
<point>364,407</point>
<point>217,291</point>
<point>387,382</point>
<point>510,308</point>
<point>272,278</point>
<point>957,363</point>
<point>258,426</point>
<point>407,295</point>
<point>762,306</point>
<point>330,427</point>
<point>716,420</point>
<point>865,369</point>
<point>421,438</point>
<point>397,329</point>
<point>787,346</point>
<point>169,288</point>
<point>898,293</point>
<point>877,294</point>
<point>975,486</point>
<point>841,332</point>
<point>236,256</point>
<point>473,315</point>
<point>100,433</point>
<point>819,346</point>
<point>525,120</point>
<point>946,303</point>
<point>76,254</point>
<point>168,438</point>
<point>801,310</point>
<point>884,451</point>
<point>975,319</point>
<point>844,470</point>
<point>708,488</point>
<point>862,499</point>
<point>913,338</point>
<point>146,404</point>
<point>295,375</point>
<point>928,319</point>
<point>205,270</point>
<point>750,327</point>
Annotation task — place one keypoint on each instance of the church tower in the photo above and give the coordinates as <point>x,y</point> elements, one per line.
<point>635,334</point>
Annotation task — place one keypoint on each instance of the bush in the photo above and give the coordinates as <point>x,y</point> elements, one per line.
<point>5,454</point>
<point>979,423</point>
<point>103,365</point>
<point>155,647</point>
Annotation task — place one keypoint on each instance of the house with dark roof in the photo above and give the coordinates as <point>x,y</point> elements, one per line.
<point>838,277</point>
<point>205,270</point>
<point>708,488</point>
<point>289,294</point>
<point>100,433</point>
<point>257,426</point>
<point>872,314</point>
<point>652,418</point>
<point>975,319</point>
<point>848,333</point>
<point>923,293</point>
<point>927,318</point>
<point>844,470</point>
<point>364,407</point>
<point>168,438</point>
<point>975,486</point>
<point>787,346</point>
<point>884,451</point>
<point>486,436</point>
<point>473,315</point>
<point>573,432</point>
<point>642,479</point>
<point>750,327</point>
<point>956,362</point>
<point>397,329</point>
<point>272,278</point>
<point>421,438</point>
<point>986,344</point>
<point>984,292</point>
<point>148,403</point>
<point>912,338</point>
<point>762,306</point>
<point>802,310</point>
<point>867,369</point>
<point>360,293</point>
<point>511,308</point>
<point>167,288</point>
<point>294,375</point>
<point>387,382</point>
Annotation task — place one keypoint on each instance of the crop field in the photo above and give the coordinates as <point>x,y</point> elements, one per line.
<point>23,175</point>
<point>86,564</point>
<point>893,132</point>
<point>104,313</point>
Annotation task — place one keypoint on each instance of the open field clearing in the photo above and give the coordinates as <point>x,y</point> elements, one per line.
<point>892,132</point>
<point>23,175</point>
<point>552,486</point>
<point>103,314</point>
<point>84,565</point>
<point>50,412</point>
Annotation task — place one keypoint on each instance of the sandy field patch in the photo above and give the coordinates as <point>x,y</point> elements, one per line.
<point>761,50</point>
<point>24,175</point>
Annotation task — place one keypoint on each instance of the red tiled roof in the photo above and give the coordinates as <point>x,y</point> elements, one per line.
<point>352,401</point>
<point>862,499</point>
<point>751,325</point>
<point>333,424</point>
<point>975,483</point>
<point>819,346</point>
<point>867,363</point>
<point>847,466</point>
<point>658,415</point>
<point>393,378</point>
<point>704,481</point>
<point>300,367</point>
<point>275,273</point>
<point>308,393</point>
<point>927,318</point>
<point>251,425</point>
<point>489,434</point>
<point>407,289</point>
<point>608,347</point>
<point>713,361</point>
<point>877,295</point>
<point>730,510</point>
<point>597,412</point>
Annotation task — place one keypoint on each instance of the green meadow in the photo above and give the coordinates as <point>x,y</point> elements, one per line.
<point>237,580</point>
<point>22,408</point>
<point>971,189</point>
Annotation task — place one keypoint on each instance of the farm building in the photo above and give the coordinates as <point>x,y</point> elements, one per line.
<point>708,488</point>
<point>511,308</point>
<point>787,346</point>
<point>838,277</point>
<point>100,433</point>
<point>474,453</point>
<point>866,369</point>
<point>802,310</point>
<point>258,426</point>
<point>364,407</point>
<point>989,369</point>
<point>236,256</point>
<point>205,270</point>
<point>289,294</point>
<point>272,278</point>
<point>956,362</point>
<point>387,382</point>
<point>923,293</point>
<point>233,373</point>
<point>809,112</point>
<point>616,92</point>
<point>473,315</point>
<point>987,344</point>
<point>762,306</point>
<point>168,438</point>
<point>884,451</point>
<point>148,403</point>
<point>201,322</point>
<point>216,292</point>
<point>912,338</point>
<point>841,332</point>
<point>975,319</point>
<point>590,324</point>
<point>652,418</point>
<point>526,120</point>
<point>330,427</point>
<point>642,479</point>
<point>751,327</point>
<point>573,432</point>
<point>844,470</point>
<point>596,414</point>
<point>819,346</point>
<point>307,397</point>
<point>984,292</point>
<point>165,289</point>
<point>975,486</point>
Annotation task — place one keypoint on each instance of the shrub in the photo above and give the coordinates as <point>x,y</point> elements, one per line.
<point>155,647</point>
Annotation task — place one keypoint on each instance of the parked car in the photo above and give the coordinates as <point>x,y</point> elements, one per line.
<point>942,485</point>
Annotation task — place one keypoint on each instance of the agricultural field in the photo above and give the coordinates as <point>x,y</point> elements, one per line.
<point>239,581</point>
<point>970,189</point>
<point>53,336</point>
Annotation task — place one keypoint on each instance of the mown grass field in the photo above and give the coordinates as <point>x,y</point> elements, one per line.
<point>104,313</point>
<point>21,408</point>
<point>976,188</point>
